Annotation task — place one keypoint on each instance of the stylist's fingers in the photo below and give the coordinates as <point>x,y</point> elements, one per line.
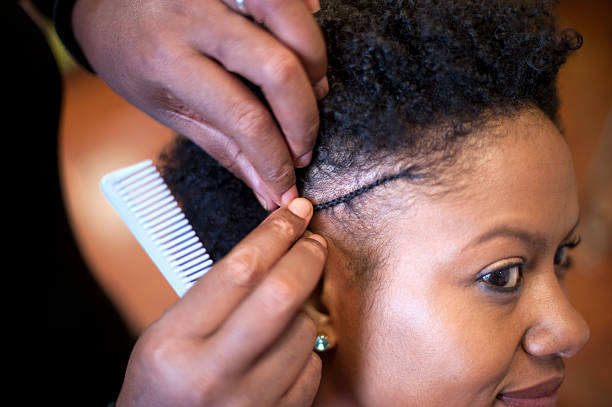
<point>305,388</point>
<point>170,59</point>
<point>246,49</point>
<point>225,151</point>
<point>238,121</point>
<point>291,21</point>
<point>289,355</point>
<point>264,314</point>
<point>219,292</point>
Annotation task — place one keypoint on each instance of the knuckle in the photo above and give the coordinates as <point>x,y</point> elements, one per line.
<point>168,357</point>
<point>315,249</point>
<point>228,156</point>
<point>280,296</point>
<point>282,175</point>
<point>154,57</point>
<point>283,68</point>
<point>283,227</point>
<point>158,352</point>
<point>242,268</point>
<point>252,121</point>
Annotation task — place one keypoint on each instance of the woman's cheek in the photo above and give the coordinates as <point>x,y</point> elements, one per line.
<point>482,338</point>
<point>444,344</point>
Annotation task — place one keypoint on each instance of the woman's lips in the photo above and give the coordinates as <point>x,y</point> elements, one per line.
<point>540,395</point>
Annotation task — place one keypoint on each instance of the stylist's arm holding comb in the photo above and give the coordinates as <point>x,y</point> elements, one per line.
<point>175,61</point>
<point>238,336</point>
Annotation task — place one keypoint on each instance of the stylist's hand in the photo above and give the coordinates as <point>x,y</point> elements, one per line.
<point>238,338</point>
<point>174,60</point>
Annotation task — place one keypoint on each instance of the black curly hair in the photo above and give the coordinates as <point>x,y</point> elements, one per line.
<point>411,81</point>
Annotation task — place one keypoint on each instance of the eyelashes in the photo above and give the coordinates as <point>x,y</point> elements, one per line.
<point>506,276</point>
<point>562,260</point>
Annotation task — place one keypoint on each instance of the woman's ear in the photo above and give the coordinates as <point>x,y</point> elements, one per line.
<point>316,310</point>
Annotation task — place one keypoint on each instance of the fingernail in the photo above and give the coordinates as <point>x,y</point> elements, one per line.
<point>301,207</point>
<point>319,239</point>
<point>262,201</point>
<point>321,88</point>
<point>313,5</point>
<point>289,195</point>
<point>304,160</point>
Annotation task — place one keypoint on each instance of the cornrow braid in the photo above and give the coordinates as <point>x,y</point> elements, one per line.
<point>410,173</point>
<point>410,81</point>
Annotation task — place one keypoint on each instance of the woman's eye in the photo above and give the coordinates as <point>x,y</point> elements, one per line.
<point>506,278</point>
<point>503,277</point>
<point>562,260</point>
<point>561,256</point>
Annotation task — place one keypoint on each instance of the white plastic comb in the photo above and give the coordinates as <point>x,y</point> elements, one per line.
<point>146,205</point>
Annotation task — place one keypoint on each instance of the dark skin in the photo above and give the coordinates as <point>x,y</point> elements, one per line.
<point>439,326</point>
<point>253,295</point>
<point>175,61</point>
<point>470,303</point>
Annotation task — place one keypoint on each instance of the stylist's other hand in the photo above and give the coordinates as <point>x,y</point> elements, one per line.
<point>174,60</point>
<point>238,338</point>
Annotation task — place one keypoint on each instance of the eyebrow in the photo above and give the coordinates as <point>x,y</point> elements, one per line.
<point>532,239</point>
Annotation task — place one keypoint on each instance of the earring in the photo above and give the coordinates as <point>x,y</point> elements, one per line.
<point>322,343</point>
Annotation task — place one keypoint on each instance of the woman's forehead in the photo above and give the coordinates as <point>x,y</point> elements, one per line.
<point>523,179</point>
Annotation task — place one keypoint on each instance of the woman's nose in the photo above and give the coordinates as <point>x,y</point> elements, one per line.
<point>556,329</point>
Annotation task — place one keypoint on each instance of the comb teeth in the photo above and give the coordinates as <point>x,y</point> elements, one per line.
<point>146,205</point>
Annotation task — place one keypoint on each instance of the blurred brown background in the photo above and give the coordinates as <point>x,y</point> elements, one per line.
<point>101,132</point>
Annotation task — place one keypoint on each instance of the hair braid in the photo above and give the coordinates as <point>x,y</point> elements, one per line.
<point>410,173</point>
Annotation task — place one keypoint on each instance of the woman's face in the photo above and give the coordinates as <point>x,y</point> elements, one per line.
<point>470,305</point>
